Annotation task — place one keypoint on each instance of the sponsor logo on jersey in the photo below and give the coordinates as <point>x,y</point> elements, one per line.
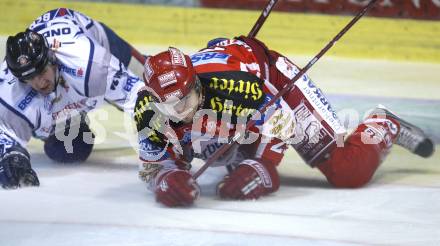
<point>72,108</point>
<point>209,150</point>
<point>27,99</point>
<point>131,81</point>
<point>282,124</point>
<point>71,71</point>
<point>209,57</point>
<point>312,139</point>
<point>57,32</point>
<point>318,100</point>
<point>321,98</point>
<point>233,92</point>
<point>227,106</point>
<point>250,89</point>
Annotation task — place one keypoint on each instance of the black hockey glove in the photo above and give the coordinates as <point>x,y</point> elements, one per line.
<point>15,169</point>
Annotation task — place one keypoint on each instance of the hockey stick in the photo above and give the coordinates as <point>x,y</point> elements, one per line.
<point>286,88</point>
<point>137,55</point>
<point>259,23</point>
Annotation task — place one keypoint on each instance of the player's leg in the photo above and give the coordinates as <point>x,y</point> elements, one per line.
<point>410,136</point>
<point>56,150</point>
<point>318,132</point>
<point>354,164</point>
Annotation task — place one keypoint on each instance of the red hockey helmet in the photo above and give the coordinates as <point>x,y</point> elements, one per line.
<point>169,74</point>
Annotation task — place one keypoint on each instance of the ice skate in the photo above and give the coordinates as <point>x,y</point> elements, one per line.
<point>410,136</point>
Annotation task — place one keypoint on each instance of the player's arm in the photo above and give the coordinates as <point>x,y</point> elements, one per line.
<point>15,168</point>
<point>15,165</point>
<point>255,176</point>
<point>98,74</point>
<point>122,85</point>
<point>109,77</point>
<point>162,168</point>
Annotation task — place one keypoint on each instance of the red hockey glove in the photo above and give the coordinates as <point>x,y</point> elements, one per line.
<point>176,188</point>
<point>250,180</point>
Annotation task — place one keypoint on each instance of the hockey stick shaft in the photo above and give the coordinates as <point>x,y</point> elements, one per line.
<point>286,88</point>
<point>259,23</point>
<point>137,55</point>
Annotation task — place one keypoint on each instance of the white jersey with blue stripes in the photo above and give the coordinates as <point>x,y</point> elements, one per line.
<point>88,76</point>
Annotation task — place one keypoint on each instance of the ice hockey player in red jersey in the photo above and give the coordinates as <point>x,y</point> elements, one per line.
<point>191,106</point>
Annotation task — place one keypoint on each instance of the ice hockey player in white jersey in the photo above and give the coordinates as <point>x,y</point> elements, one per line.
<point>64,65</point>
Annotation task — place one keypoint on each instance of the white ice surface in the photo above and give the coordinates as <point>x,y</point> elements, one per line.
<point>101,202</point>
